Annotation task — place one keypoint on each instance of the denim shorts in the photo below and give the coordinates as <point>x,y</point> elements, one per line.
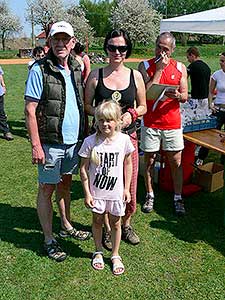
<point>59,160</point>
<point>152,139</point>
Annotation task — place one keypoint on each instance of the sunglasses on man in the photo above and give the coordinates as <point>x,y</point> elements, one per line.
<point>113,48</point>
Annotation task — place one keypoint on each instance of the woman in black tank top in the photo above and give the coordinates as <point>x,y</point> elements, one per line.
<point>128,96</point>
<point>119,83</point>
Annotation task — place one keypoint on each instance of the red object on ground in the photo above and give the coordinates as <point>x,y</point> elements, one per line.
<point>188,158</point>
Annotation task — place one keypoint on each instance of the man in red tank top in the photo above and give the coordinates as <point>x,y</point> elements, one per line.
<point>162,122</point>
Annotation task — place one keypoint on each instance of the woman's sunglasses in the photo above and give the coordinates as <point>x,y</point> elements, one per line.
<point>113,48</point>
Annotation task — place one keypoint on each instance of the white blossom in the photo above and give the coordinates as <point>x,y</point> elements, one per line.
<point>82,29</point>
<point>9,23</point>
<point>43,12</point>
<point>138,18</point>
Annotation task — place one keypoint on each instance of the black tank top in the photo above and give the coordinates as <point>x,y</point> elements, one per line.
<point>125,98</point>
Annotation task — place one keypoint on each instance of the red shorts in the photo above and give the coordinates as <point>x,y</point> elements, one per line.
<point>131,206</point>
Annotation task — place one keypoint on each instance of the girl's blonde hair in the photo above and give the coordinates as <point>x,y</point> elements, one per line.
<point>107,110</point>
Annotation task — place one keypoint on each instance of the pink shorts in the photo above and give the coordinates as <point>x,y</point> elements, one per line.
<point>115,208</point>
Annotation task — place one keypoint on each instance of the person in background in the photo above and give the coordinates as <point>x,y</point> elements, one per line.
<point>55,122</point>
<point>126,86</point>
<point>83,59</point>
<point>4,127</point>
<point>47,31</point>
<point>106,170</point>
<point>199,73</point>
<point>217,103</point>
<point>163,126</point>
<point>37,53</point>
<point>85,64</point>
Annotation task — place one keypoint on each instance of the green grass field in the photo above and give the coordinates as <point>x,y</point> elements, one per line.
<point>177,259</point>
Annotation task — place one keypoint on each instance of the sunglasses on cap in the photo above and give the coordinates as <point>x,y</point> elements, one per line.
<point>113,48</point>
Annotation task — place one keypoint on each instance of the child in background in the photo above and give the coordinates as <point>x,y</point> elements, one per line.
<point>37,53</point>
<point>4,127</point>
<point>106,170</point>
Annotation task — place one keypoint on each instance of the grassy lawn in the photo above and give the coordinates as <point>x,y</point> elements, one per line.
<point>176,259</point>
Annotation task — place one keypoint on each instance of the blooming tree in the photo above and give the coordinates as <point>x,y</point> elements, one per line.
<point>138,18</point>
<point>9,23</point>
<point>82,29</point>
<point>45,12</point>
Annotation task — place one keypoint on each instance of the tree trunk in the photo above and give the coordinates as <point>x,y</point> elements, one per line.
<point>183,39</point>
<point>3,43</point>
<point>3,37</point>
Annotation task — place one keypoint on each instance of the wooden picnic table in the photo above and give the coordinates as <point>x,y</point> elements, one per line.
<point>211,139</point>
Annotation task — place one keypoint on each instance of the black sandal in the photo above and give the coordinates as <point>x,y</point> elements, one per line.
<point>55,252</point>
<point>107,241</point>
<point>76,234</point>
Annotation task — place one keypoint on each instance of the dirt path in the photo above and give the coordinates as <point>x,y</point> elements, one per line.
<point>24,61</point>
<point>135,59</point>
<point>16,61</point>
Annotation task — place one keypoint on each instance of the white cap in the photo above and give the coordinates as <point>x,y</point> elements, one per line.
<point>60,27</point>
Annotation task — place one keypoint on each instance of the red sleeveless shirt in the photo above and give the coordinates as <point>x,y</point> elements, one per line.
<point>166,115</point>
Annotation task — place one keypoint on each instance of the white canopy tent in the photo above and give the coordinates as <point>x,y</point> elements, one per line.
<point>206,22</point>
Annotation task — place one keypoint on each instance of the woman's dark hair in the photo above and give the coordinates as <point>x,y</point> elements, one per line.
<point>223,53</point>
<point>116,33</point>
<point>78,48</point>
<point>37,50</point>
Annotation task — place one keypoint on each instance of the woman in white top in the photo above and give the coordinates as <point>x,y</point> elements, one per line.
<point>217,83</point>
<point>217,104</point>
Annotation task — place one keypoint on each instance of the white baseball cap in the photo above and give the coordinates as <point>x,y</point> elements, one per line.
<point>60,27</point>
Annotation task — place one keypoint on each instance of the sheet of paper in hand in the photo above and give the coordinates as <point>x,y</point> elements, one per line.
<point>157,91</point>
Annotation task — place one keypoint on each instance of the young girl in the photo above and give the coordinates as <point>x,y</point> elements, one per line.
<point>106,169</point>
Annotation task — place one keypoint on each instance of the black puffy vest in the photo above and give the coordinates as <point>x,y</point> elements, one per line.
<point>51,107</point>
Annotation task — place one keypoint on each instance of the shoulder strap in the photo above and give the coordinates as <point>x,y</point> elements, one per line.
<point>100,73</point>
<point>131,74</point>
<point>100,79</point>
<point>132,80</point>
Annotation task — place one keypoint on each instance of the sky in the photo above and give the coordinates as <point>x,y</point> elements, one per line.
<point>18,8</point>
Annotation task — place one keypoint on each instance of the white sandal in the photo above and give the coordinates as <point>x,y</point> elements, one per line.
<point>96,261</point>
<point>118,267</point>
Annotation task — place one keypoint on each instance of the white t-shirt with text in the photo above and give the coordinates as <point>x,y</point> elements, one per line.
<point>107,179</point>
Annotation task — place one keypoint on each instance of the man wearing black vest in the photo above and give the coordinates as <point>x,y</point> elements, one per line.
<point>54,117</point>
